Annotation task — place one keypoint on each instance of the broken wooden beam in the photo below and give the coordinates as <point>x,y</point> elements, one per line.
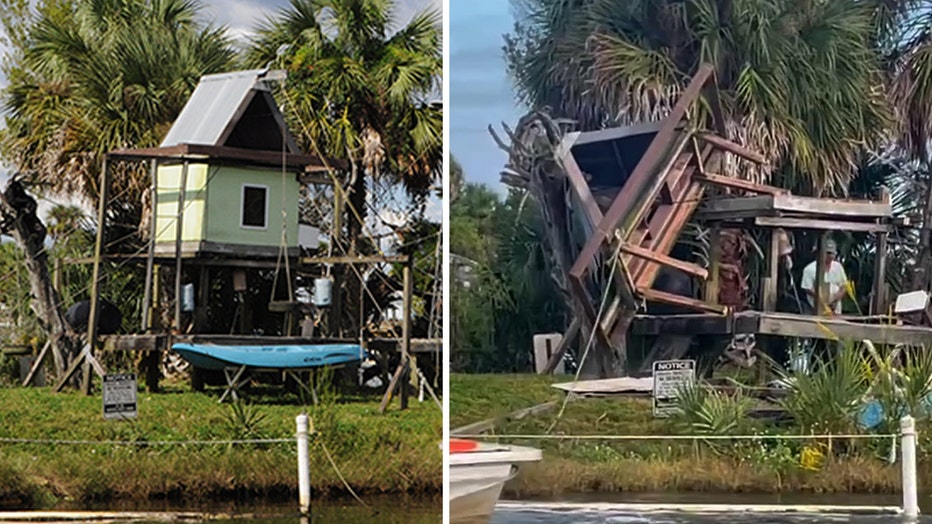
<point>737,183</point>
<point>678,300</point>
<point>736,149</point>
<point>665,260</point>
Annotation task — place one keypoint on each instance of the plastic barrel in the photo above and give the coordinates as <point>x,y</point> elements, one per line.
<point>322,290</point>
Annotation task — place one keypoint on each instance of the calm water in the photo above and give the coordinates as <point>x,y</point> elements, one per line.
<point>388,510</point>
<point>583,511</point>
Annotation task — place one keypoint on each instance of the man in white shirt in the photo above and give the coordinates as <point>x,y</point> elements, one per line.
<point>834,281</point>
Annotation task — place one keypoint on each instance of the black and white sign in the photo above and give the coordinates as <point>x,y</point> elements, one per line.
<point>119,396</point>
<point>671,376</point>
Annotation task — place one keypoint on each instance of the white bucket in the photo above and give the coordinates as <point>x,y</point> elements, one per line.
<point>322,291</point>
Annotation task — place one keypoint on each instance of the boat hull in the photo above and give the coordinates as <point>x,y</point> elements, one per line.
<point>474,491</point>
<point>478,476</point>
<point>217,357</point>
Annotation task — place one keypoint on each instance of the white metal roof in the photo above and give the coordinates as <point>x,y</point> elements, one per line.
<point>218,101</point>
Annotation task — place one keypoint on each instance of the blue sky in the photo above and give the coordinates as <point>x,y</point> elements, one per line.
<point>480,90</point>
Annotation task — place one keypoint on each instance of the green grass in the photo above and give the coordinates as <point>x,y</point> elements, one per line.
<point>395,452</point>
<point>656,465</point>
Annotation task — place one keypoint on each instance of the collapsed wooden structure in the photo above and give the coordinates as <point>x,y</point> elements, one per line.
<point>617,200</point>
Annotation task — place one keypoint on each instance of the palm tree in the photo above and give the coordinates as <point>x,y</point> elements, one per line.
<point>86,78</point>
<point>799,80</point>
<point>358,89</point>
<point>805,83</point>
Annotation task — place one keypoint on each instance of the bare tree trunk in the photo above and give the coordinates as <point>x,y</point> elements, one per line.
<point>18,219</point>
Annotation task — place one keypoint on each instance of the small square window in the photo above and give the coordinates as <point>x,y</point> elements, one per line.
<point>254,210</point>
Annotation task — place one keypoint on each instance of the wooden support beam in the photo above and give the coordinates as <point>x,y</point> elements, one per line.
<point>691,303</point>
<point>665,260</point>
<point>733,148</point>
<point>710,291</point>
<point>820,224</point>
<point>769,284</point>
<point>579,184</point>
<point>829,328</point>
<point>179,223</point>
<point>37,364</point>
<point>145,323</point>
<point>641,176</point>
<point>737,183</point>
<point>878,294</point>
<point>94,315</point>
<point>565,342</point>
<point>820,297</point>
<point>774,205</point>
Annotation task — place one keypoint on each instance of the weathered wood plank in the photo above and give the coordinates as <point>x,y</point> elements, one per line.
<point>820,224</point>
<point>737,183</point>
<point>490,424</point>
<point>733,148</point>
<point>665,260</point>
<point>692,303</point>
<point>828,328</point>
<point>832,206</point>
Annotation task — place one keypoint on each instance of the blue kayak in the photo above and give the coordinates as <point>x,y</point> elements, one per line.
<point>212,356</point>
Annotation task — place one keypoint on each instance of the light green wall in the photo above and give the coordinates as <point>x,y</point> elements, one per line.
<point>213,199</point>
<point>169,180</point>
<point>225,203</point>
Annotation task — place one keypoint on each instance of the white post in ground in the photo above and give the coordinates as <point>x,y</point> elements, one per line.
<point>304,468</point>
<point>910,490</point>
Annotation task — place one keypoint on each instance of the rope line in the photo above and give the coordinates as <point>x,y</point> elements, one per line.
<point>680,437</point>
<point>8,440</point>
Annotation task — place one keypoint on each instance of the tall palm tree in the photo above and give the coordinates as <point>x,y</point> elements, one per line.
<point>87,77</point>
<point>801,81</point>
<point>359,87</point>
<point>805,83</point>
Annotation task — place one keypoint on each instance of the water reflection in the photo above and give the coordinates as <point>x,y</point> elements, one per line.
<point>387,510</point>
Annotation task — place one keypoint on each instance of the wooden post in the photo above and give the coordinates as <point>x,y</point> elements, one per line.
<point>146,321</point>
<point>178,233</point>
<point>200,315</point>
<point>879,295</point>
<point>715,263</point>
<point>400,377</point>
<point>769,288</point>
<point>153,317</point>
<point>95,279</point>
<point>820,277</point>
<point>336,307</point>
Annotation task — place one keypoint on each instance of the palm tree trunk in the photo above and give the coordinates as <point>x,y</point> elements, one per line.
<point>923,267</point>
<point>18,218</point>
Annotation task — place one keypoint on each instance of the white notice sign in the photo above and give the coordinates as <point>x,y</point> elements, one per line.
<point>119,396</point>
<point>671,376</point>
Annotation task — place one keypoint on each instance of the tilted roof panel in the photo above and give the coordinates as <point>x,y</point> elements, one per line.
<point>217,100</point>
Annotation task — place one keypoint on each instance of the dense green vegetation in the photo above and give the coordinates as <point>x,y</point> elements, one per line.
<point>501,291</point>
<point>828,401</point>
<point>348,427</point>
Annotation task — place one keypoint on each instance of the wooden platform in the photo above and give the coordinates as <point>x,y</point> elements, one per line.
<point>793,205</point>
<point>781,324</point>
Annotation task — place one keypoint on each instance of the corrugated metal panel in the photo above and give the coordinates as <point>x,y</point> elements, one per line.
<point>216,101</point>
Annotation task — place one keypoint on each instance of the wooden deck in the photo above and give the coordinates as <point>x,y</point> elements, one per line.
<point>782,324</point>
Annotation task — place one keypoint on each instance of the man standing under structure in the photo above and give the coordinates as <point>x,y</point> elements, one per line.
<point>834,282</point>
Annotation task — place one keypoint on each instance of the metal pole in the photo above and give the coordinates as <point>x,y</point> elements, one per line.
<point>145,324</point>
<point>910,491</point>
<point>304,470</point>
<point>178,233</point>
